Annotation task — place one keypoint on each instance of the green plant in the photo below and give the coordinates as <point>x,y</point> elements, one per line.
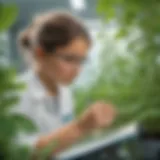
<point>11,124</point>
<point>131,82</point>
<point>135,87</point>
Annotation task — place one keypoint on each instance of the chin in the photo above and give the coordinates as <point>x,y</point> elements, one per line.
<point>67,82</point>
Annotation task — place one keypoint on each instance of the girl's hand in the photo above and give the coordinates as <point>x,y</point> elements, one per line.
<point>98,115</point>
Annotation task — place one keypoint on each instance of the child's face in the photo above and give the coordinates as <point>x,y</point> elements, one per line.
<point>64,65</point>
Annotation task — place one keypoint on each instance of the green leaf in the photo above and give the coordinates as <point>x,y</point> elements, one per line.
<point>7,102</point>
<point>23,123</point>
<point>8,14</point>
<point>19,152</point>
<point>122,33</point>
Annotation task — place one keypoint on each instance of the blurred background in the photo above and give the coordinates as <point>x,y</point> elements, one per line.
<point>123,68</point>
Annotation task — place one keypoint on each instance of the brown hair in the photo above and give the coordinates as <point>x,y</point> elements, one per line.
<point>53,30</point>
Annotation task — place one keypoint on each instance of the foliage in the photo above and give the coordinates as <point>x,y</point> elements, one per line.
<point>11,124</point>
<point>7,16</point>
<point>131,82</point>
<point>139,97</point>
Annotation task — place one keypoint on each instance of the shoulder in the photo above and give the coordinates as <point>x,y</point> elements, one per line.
<point>25,97</point>
<point>26,79</point>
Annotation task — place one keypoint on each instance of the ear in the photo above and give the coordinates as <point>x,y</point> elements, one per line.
<point>39,52</point>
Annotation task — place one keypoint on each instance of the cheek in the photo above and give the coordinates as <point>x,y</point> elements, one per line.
<point>64,69</point>
<point>67,71</point>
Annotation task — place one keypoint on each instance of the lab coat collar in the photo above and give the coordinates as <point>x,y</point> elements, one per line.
<point>38,91</point>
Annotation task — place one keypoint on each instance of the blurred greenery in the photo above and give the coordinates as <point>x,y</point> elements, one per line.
<point>11,124</point>
<point>131,81</point>
<point>7,16</point>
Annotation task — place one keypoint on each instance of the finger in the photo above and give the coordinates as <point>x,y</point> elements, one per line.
<point>108,115</point>
<point>109,109</point>
<point>103,118</point>
<point>100,112</point>
<point>109,121</point>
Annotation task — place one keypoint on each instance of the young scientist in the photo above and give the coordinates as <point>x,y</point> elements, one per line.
<point>57,44</point>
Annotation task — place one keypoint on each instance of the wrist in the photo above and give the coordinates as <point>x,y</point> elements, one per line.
<point>83,127</point>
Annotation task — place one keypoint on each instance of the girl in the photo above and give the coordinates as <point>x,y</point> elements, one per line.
<point>58,44</point>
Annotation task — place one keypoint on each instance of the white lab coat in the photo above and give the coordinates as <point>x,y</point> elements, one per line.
<point>42,109</point>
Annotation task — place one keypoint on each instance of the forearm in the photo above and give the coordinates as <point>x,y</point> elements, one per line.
<point>63,137</point>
